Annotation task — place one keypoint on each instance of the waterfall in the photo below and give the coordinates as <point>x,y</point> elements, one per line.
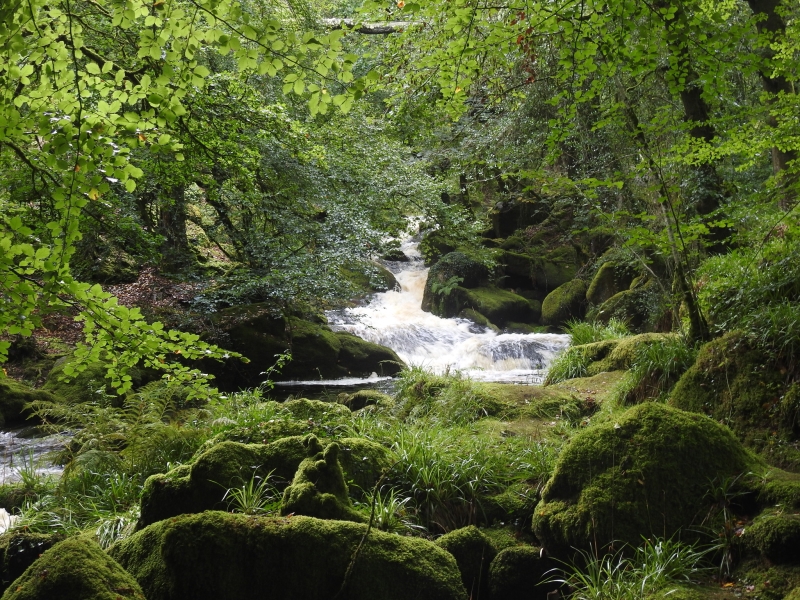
<point>395,319</point>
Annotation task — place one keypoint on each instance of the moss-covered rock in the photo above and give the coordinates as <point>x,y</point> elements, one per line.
<point>641,307</point>
<point>473,553</point>
<point>501,306</point>
<point>743,387</point>
<point>319,488</point>
<point>453,269</point>
<point>316,351</point>
<point>520,573</point>
<point>75,569</point>
<point>220,556</point>
<point>612,479</point>
<point>362,357</point>
<point>19,550</point>
<point>620,354</point>
<point>609,280</point>
<point>470,314</point>
<point>13,398</point>
<point>541,271</point>
<point>775,536</point>
<point>363,398</point>
<point>201,486</point>
<point>567,301</point>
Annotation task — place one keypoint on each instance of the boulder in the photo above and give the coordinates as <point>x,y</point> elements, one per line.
<point>364,398</point>
<point>497,306</point>
<point>222,556</point>
<point>14,396</point>
<point>640,307</point>
<point>319,488</point>
<point>610,279</point>
<point>75,569</point>
<point>567,301</point>
<point>646,474</point>
<point>473,553</point>
<point>201,486</point>
<point>521,573</point>
<point>775,536</point>
<point>541,271</point>
<point>18,551</point>
<point>453,270</point>
<point>317,352</point>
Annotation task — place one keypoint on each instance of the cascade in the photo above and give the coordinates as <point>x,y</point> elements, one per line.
<point>395,319</point>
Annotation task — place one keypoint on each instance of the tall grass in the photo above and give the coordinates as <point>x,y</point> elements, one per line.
<point>655,369</point>
<point>654,568</point>
<point>585,332</point>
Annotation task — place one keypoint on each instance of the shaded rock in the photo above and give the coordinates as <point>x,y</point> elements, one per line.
<point>470,314</point>
<point>567,301</point>
<point>519,573</point>
<point>774,536</point>
<point>743,387</point>
<point>317,352</point>
<point>75,569</point>
<point>201,486</point>
<point>610,279</point>
<point>453,270</point>
<point>13,398</point>
<point>318,488</point>
<point>543,271</point>
<point>221,556</point>
<point>18,551</point>
<point>497,306</point>
<point>473,553</point>
<point>612,478</point>
<point>640,307</point>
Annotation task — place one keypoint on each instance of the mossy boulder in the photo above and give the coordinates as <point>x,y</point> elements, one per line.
<point>541,271</point>
<point>316,351</point>
<point>319,488</point>
<point>774,536</point>
<point>364,398</point>
<point>743,387</point>
<point>568,301</point>
<point>470,314</point>
<point>201,486</point>
<point>13,398</point>
<point>620,354</point>
<point>646,474</point>
<point>75,569</point>
<point>474,553</point>
<point>641,307</point>
<point>453,269</point>
<point>18,551</point>
<point>221,556</point>
<point>610,279</point>
<point>489,305</point>
<point>520,573</point>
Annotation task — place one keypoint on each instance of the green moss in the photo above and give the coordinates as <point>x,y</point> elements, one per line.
<point>519,573</point>
<point>500,306</point>
<point>793,595</point>
<point>363,398</point>
<point>319,488</point>
<point>75,569</point>
<point>610,279</point>
<point>743,387</point>
<point>201,486</point>
<point>18,551</point>
<point>474,553</point>
<point>619,355</point>
<point>640,307</point>
<point>360,356</point>
<point>219,556</point>
<point>13,398</point>
<point>770,582</point>
<point>459,269</point>
<point>646,474</point>
<point>568,301</point>
<point>473,315</point>
<point>776,536</point>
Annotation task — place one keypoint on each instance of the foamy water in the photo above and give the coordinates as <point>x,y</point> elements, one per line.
<point>395,319</point>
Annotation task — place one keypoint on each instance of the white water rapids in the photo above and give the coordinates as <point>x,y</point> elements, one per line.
<point>395,319</point>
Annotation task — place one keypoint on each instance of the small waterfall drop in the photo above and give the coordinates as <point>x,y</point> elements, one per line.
<point>395,319</point>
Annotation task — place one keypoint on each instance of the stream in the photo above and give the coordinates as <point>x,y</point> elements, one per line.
<point>395,319</point>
